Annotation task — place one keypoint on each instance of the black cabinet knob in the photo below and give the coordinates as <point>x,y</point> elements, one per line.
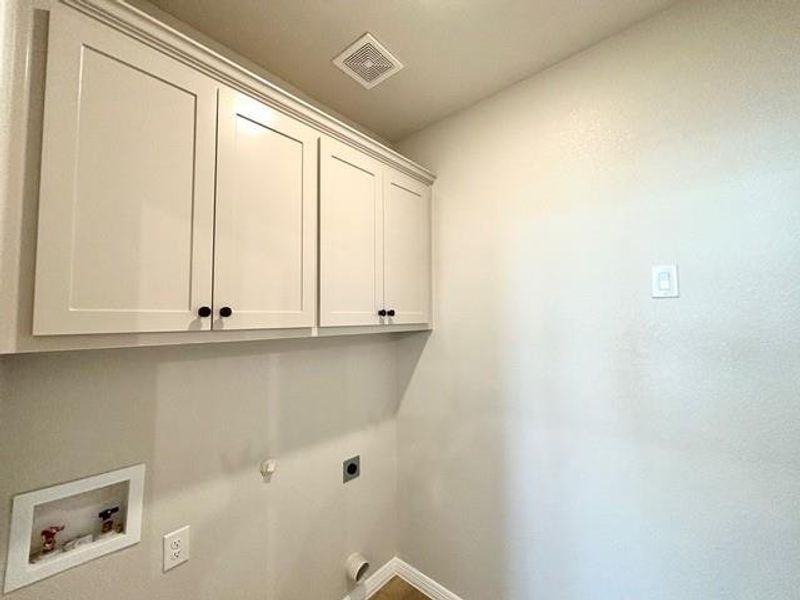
<point>204,311</point>
<point>381,313</point>
<point>225,311</point>
<point>390,312</point>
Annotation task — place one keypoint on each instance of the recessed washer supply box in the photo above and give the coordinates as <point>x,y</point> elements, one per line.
<point>60,527</point>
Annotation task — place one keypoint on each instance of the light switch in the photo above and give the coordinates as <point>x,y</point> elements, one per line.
<point>665,281</point>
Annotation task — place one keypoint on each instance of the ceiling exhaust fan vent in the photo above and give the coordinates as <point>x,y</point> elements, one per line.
<point>368,61</point>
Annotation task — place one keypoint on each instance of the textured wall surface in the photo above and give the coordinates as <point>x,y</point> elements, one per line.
<point>564,436</point>
<point>202,419</point>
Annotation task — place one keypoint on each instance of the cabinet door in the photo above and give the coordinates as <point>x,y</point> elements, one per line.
<point>407,248</point>
<point>266,217</point>
<point>351,250</point>
<point>127,189</point>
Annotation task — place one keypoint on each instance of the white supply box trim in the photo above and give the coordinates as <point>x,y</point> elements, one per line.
<point>400,568</point>
<point>20,572</point>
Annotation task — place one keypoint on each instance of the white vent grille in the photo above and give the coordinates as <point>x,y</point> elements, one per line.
<point>368,61</point>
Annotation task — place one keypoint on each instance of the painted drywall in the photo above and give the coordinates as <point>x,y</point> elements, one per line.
<point>455,52</point>
<point>563,434</point>
<point>12,65</point>
<point>6,98</point>
<point>202,419</point>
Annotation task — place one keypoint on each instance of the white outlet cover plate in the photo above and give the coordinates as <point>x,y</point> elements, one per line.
<point>176,548</point>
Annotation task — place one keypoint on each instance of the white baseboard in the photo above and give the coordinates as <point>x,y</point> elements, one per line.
<point>374,582</point>
<point>422,582</point>
<point>409,574</point>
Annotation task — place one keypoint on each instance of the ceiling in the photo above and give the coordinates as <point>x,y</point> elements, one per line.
<point>455,51</point>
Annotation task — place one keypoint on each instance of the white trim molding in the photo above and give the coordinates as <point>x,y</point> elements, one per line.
<point>374,582</point>
<point>20,571</point>
<point>423,583</point>
<point>138,24</point>
<point>400,568</point>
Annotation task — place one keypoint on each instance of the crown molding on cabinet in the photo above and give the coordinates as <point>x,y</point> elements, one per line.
<point>145,28</point>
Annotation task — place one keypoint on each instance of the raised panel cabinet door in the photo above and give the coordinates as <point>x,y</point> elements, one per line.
<point>265,249</point>
<point>351,247</point>
<point>407,248</point>
<point>127,188</point>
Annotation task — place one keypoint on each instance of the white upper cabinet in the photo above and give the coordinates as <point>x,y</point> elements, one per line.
<point>351,248</point>
<point>127,189</point>
<point>375,249</point>
<point>406,248</point>
<point>265,245</point>
<point>180,194</point>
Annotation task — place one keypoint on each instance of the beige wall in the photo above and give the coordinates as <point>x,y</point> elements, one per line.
<point>564,435</point>
<point>202,418</point>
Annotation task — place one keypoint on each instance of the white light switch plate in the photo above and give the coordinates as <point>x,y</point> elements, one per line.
<point>176,548</point>
<point>665,281</point>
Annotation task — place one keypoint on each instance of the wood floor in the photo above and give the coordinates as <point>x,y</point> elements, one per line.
<point>397,589</point>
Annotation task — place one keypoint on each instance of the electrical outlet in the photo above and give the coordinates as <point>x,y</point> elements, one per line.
<point>176,548</point>
<point>351,468</point>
